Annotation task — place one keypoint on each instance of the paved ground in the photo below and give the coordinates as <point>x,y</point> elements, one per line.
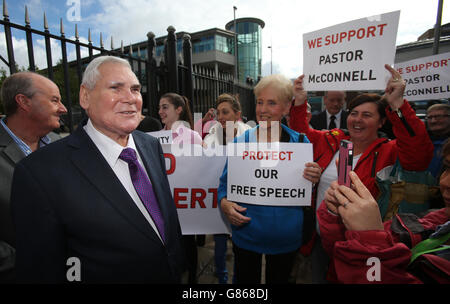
<point>300,274</point>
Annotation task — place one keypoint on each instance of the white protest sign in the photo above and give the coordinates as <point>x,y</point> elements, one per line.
<point>164,137</point>
<point>272,174</point>
<point>351,55</point>
<point>426,77</point>
<point>194,181</point>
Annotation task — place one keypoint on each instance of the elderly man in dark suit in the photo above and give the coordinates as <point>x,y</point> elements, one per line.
<point>334,115</point>
<point>33,107</point>
<point>96,206</point>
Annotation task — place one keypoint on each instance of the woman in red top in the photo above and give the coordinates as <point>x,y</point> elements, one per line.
<point>371,154</point>
<point>407,249</point>
<point>367,113</point>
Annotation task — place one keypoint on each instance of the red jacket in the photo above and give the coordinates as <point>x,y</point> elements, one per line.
<point>350,251</point>
<point>414,150</point>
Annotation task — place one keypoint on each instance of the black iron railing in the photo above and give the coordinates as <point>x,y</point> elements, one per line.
<point>199,84</point>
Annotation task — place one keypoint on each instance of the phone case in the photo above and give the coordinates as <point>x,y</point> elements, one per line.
<point>345,162</point>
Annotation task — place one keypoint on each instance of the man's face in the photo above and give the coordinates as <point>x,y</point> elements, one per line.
<point>45,105</point>
<point>114,104</point>
<point>438,121</point>
<point>334,101</point>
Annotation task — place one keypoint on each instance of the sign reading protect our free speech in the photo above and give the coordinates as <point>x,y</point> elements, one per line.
<point>269,174</point>
<point>351,55</point>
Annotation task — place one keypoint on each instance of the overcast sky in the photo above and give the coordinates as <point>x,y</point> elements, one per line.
<point>286,21</point>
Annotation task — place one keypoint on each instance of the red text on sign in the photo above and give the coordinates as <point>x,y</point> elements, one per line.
<point>360,33</point>
<point>424,66</point>
<point>193,197</point>
<point>173,163</point>
<point>267,155</point>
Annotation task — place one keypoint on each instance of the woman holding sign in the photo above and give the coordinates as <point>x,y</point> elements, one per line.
<point>228,112</point>
<point>275,231</point>
<point>174,111</point>
<point>371,154</point>
<point>398,251</point>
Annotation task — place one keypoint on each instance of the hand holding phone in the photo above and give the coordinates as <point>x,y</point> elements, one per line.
<point>345,162</point>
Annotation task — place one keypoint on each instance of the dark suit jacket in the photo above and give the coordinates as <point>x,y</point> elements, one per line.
<point>67,202</point>
<point>319,121</point>
<point>10,155</point>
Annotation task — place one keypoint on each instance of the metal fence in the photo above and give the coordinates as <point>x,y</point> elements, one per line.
<point>199,84</point>
<point>207,86</point>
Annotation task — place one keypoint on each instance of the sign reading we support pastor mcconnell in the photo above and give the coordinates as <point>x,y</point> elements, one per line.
<point>269,175</point>
<point>351,55</point>
<point>426,77</point>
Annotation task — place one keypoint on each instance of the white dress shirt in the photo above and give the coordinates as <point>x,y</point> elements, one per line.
<point>111,152</point>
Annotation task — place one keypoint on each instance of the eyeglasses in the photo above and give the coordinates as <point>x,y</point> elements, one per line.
<point>437,117</point>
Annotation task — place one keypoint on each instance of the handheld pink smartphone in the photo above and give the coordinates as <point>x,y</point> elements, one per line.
<point>345,162</point>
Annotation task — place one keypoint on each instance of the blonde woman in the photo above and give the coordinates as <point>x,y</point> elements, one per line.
<point>275,231</point>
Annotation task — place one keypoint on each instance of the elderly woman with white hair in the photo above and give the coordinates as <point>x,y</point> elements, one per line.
<point>275,231</point>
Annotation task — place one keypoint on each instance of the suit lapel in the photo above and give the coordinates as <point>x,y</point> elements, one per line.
<point>88,159</point>
<point>323,121</point>
<point>343,119</point>
<point>11,150</point>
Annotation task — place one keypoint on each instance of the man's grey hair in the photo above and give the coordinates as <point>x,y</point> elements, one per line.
<point>91,74</point>
<point>440,107</point>
<point>18,83</point>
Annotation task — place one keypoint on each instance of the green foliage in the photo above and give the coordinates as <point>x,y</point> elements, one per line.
<point>58,78</point>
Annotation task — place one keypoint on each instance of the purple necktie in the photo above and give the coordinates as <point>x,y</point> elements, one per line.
<point>143,188</point>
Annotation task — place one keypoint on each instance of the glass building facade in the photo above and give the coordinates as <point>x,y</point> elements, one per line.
<point>225,44</point>
<point>204,44</point>
<point>249,50</point>
<point>215,42</point>
<point>215,48</point>
<point>160,48</point>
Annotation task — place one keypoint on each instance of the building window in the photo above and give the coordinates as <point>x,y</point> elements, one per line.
<point>224,44</point>
<point>204,44</point>
<point>160,48</point>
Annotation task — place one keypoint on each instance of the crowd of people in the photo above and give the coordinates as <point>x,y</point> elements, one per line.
<point>102,194</point>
